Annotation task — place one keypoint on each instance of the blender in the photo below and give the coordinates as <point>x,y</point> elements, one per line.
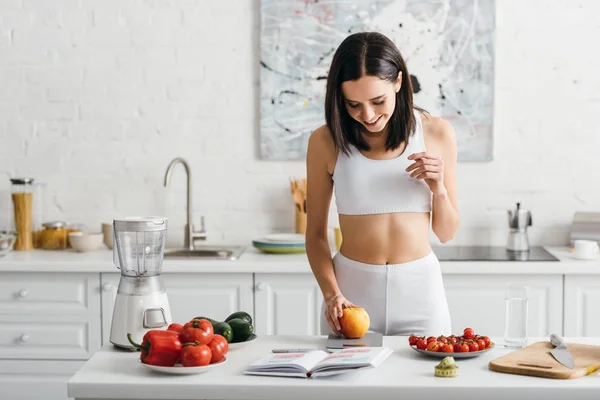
<point>141,303</point>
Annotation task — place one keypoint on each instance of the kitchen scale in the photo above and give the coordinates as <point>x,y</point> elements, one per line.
<point>370,339</point>
<point>141,303</point>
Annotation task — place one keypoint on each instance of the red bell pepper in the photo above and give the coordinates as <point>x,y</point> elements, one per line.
<point>159,347</point>
<point>197,330</point>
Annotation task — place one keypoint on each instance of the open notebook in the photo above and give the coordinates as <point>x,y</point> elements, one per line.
<point>318,362</point>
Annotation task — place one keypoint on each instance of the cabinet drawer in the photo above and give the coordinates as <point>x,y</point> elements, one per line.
<point>59,337</point>
<point>49,293</point>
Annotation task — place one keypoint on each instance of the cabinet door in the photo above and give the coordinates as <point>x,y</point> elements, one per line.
<point>287,304</point>
<point>477,301</point>
<point>582,295</point>
<point>210,295</point>
<point>190,295</point>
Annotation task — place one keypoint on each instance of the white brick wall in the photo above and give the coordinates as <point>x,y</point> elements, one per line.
<point>97,96</point>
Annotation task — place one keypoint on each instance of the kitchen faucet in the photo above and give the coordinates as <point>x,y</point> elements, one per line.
<point>190,234</point>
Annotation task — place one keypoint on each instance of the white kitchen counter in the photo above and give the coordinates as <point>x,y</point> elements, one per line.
<point>406,374</point>
<point>254,261</point>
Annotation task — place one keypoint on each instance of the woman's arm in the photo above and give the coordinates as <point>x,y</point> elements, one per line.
<point>445,217</point>
<point>320,187</point>
<point>438,168</point>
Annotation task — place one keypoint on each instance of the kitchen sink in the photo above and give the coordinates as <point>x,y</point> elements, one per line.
<point>207,253</point>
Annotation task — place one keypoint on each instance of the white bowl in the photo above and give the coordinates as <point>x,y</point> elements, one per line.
<point>81,241</point>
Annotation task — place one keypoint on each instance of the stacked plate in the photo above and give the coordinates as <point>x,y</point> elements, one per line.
<point>281,243</point>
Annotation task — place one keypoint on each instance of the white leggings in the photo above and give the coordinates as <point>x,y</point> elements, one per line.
<point>401,299</point>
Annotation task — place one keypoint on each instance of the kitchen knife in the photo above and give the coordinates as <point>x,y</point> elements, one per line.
<point>560,351</point>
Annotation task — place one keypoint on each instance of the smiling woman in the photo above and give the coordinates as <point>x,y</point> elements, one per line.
<point>392,167</point>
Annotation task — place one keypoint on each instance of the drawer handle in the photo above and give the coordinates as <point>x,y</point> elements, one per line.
<point>107,287</point>
<point>24,338</point>
<point>261,286</point>
<point>23,294</point>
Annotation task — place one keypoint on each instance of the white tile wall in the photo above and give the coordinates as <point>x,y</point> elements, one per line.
<point>97,96</point>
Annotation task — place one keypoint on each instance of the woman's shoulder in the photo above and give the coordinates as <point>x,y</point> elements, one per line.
<point>437,129</point>
<point>320,139</point>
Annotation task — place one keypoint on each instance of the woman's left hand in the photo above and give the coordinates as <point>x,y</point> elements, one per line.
<point>430,168</point>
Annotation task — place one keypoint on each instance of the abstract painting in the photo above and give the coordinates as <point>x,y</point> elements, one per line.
<point>448,46</point>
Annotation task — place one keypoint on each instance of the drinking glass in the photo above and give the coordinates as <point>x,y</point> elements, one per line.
<point>516,298</point>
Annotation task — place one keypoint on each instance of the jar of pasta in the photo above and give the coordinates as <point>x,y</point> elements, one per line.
<point>22,199</point>
<point>54,236</point>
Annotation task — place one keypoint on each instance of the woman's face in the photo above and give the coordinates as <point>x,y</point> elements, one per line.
<point>371,100</point>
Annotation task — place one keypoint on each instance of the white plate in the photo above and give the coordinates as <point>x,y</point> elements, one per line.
<point>287,238</point>
<point>179,369</point>
<point>439,354</point>
<point>233,346</point>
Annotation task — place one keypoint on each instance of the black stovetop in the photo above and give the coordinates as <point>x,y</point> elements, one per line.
<point>490,253</point>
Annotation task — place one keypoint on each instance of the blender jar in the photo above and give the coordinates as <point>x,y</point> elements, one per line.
<point>22,199</point>
<point>139,245</point>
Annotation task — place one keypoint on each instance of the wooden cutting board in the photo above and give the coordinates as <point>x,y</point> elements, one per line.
<point>536,360</point>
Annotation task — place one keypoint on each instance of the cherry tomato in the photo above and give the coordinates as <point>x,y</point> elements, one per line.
<point>218,347</point>
<point>421,344</point>
<point>452,339</point>
<point>195,355</point>
<point>473,346</point>
<point>448,348</point>
<point>431,339</point>
<point>434,346</point>
<point>487,341</point>
<point>412,340</point>
<point>469,334</point>
<point>481,344</point>
<point>197,330</point>
<point>461,348</point>
<point>442,339</point>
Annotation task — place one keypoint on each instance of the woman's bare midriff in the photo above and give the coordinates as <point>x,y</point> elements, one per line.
<point>381,239</point>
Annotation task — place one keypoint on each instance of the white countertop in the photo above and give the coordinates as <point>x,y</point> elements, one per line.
<point>254,261</point>
<point>406,374</point>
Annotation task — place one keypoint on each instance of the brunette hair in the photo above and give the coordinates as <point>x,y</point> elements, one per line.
<point>373,54</point>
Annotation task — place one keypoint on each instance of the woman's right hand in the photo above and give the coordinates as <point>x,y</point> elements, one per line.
<point>333,311</point>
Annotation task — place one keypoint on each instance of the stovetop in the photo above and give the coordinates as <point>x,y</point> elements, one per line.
<point>490,253</point>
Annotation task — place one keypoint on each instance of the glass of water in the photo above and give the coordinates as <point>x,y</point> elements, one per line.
<point>516,298</point>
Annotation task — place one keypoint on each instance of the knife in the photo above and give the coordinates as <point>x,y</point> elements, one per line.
<point>560,351</point>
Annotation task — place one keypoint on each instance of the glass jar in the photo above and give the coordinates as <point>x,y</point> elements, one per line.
<point>54,236</point>
<point>39,211</point>
<point>22,199</point>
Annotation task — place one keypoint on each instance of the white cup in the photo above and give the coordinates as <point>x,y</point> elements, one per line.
<point>586,249</point>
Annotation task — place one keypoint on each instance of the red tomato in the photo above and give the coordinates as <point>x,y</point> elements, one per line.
<point>412,340</point>
<point>434,346</point>
<point>452,339</point>
<point>421,344</point>
<point>442,339</point>
<point>481,344</point>
<point>218,347</point>
<point>487,341</point>
<point>195,355</point>
<point>473,346</point>
<point>197,330</point>
<point>431,339</point>
<point>461,348</point>
<point>175,328</point>
<point>469,334</point>
<point>448,348</point>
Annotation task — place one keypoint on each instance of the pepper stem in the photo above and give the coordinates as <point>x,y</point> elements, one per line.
<point>136,345</point>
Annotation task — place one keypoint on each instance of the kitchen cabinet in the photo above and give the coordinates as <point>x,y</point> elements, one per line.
<point>287,304</point>
<point>50,324</point>
<point>582,295</point>
<point>190,295</point>
<point>478,301</point>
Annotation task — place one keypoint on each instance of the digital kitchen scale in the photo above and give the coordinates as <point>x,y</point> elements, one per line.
<point>370,339</point>
<point>491,253</point>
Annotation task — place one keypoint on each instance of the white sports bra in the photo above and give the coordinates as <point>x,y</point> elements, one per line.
<point>366,186</point>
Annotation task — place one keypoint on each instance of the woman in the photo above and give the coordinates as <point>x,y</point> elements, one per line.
<point>393,171</point>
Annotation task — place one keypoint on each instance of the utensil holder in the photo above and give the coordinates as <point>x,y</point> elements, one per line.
<point>300,221</point>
